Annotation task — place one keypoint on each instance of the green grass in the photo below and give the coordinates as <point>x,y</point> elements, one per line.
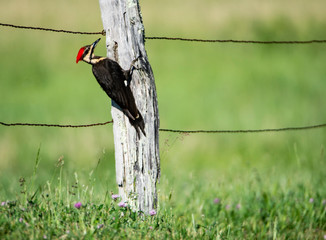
<point>251,206</point>
<point>200,86</point>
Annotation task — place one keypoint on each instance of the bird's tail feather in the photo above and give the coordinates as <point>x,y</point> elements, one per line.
<point>138,123</point>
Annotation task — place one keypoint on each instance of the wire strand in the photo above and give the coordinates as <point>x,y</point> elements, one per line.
<point>51,30</point>
<point>169,38</point>
<point>247,131</point>
<point>235,41</point>
<point>55,125</point>
<point>172,130</point>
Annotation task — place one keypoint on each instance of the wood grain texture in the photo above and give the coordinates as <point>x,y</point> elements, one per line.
<point>137,160</point>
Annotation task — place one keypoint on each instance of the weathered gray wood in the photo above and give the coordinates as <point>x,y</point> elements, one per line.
<point>137,160</point>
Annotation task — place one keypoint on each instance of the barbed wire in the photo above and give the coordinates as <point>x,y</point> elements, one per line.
<point>169,38</point>
<point>248,130</point>
<point>54,125</point>
<point>50,29</point>
<point>235,41</point>
<point>172,130</point>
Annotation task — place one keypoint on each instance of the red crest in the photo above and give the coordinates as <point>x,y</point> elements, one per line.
<point>80,54</point>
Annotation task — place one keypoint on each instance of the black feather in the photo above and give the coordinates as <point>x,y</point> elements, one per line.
<point>112,78</point>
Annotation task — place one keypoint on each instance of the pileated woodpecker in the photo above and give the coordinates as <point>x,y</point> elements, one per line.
<point>115,82</point>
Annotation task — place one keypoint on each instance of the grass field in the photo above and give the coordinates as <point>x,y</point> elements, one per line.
<point>222,186</point>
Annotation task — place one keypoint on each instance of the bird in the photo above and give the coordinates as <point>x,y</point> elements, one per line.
<point>115,81</point>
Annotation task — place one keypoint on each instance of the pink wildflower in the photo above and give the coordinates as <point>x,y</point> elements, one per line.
<point>115,196</point>
<point>78,205</point>
<point>152,212</point>
<point>217,200</point>
<point>122,204</point>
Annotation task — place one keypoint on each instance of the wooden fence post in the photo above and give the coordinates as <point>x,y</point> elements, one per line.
<point>137,160</point>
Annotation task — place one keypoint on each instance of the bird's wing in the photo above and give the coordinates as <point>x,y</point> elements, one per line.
<point>113,81</point>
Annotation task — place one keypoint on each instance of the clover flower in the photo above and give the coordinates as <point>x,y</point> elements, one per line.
<point>152,212</point>
<point>122,204</point>
<point>78,205</point>
<point>115,196</point>
<point>217,200</point>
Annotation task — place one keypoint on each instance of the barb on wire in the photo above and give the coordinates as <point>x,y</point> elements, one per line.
<point>173,130</point>
<point>170,38</point>
<point>55,125</point>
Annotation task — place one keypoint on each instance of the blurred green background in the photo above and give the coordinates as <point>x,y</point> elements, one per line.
<point>199,86</point>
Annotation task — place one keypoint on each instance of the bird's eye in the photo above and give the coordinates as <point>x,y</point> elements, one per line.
<point>86,51</point>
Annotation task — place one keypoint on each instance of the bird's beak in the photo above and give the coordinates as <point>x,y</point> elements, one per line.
<point>95,43</point>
